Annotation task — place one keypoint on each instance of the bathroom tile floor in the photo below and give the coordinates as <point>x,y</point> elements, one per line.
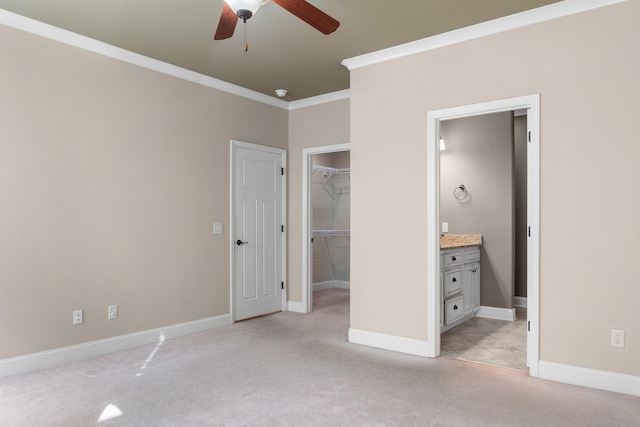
<point>489,341</point>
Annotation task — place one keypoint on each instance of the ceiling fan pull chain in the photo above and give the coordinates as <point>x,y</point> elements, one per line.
<point>246,45</point>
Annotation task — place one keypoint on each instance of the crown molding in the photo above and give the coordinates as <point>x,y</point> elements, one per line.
<point>42,29</point>
<point>518,20</point>
<point>320,99</point>
<point>545,13</point>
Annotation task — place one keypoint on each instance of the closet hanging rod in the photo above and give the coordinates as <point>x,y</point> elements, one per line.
<point>332,171</point>
<point>317,233</point>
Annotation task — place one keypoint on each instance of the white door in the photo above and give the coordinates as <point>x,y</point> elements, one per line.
<point>258,229</point>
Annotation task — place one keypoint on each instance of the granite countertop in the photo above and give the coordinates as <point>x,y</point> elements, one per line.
<point>453,241</point>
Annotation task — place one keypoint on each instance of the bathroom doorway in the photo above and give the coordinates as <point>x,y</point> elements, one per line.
<point>478,155</point>
<point>486,155</point>
<point>435,122</point>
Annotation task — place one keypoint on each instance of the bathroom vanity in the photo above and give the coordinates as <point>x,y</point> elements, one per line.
<point>459,278</point>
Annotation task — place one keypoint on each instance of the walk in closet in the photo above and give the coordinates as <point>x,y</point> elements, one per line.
<point>330,197</point>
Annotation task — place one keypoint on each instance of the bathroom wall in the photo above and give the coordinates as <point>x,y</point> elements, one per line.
<point>520,198</point>
<point>479,154</point>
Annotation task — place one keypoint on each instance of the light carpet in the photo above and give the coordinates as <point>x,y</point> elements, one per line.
<point>292,369</point>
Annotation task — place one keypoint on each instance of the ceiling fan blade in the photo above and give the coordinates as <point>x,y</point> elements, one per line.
<point>310,14</point>
<point>227,24</point>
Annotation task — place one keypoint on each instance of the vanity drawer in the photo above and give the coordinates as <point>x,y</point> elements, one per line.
<point>453,309</point>
<point>472,255</point>
<point>453,258</point>
<point>452,282</point>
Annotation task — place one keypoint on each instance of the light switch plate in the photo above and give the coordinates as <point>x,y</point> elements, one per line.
<point>445,227</point>
<point>217,228</point>
<point>112,312</point>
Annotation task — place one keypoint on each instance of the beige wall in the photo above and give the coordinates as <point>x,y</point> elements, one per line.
<point>111,176</point>
<point>110,179</point>
<point>586,69</point>
<point>316,126</point>
<point>479,155</point>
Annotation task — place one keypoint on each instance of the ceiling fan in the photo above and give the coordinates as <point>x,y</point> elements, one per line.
<point>244,9</point>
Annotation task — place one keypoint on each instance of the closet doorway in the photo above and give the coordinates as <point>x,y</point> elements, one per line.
<point>326,220</point>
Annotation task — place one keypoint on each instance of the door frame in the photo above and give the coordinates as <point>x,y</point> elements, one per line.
<point>248,145</point>
<point>307,220</point>
<point>532,104</point>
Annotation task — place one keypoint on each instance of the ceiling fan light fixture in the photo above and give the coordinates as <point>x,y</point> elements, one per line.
<point>245,8</point>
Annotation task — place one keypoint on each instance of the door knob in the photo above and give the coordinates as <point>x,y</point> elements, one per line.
<point>240,242</point>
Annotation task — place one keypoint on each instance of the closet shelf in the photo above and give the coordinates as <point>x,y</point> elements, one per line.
<point>324,233</point>
<point>331,171</point>
<point>333,188</point>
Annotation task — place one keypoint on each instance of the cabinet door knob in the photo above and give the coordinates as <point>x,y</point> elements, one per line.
<point>453,258</point>
<point>455,307</point>
<point>454,280</point>
<point>240,242</point>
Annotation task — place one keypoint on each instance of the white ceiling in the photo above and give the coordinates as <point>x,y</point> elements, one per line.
<point>284,52</point>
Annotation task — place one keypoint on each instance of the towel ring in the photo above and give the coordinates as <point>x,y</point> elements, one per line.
<point>460,192</point>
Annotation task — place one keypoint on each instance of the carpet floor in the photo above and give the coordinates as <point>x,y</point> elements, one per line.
<point>291,369</point>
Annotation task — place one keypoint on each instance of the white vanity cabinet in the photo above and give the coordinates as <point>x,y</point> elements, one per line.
<point>471,289</point>
<point>460,277</point>
<point>454,308</point>
<point>453,280</point>
<point>452,272</point>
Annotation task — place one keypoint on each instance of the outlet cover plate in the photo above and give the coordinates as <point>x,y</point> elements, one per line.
<point>78,317</point>
<point>617,338</point>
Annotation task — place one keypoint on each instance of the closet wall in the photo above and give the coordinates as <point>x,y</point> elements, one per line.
<point>330,198</point>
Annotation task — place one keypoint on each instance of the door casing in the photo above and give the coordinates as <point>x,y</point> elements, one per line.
<point>283,153</point>
<point>532,104</point>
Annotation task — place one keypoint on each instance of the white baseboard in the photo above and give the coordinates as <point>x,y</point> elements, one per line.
<point>497,313</point>
<point>296,307</point>
<point>331,284</point>
<point>576,375</point>
<point>58,356</point>
<point>389,342</point>
<point>520,301</point>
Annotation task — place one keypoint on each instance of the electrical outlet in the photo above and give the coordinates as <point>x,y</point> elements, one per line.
<point>77,317</point>
<point>617,338</point>
<point>112,312</point>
